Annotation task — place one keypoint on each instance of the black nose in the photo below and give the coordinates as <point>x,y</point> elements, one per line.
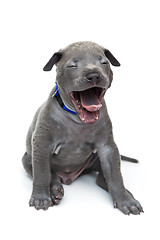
<point>93,76</point>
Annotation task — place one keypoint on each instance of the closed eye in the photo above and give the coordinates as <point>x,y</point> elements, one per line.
<point>72,66</point>
<point>104,63</point>
<point>103,60</point>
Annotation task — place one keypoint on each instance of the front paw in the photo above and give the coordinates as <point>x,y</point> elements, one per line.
<point>127,204</point>
<point>40,199</point>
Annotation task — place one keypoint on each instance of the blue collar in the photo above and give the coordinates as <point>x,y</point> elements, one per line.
<point>59,99</point>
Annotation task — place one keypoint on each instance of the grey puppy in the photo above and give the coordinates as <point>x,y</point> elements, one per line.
<point>71,133</point>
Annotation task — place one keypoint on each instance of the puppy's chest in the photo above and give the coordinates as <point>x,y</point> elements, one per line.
<point>73,142</point>
<point>73,149</point>
<point>73,134</point>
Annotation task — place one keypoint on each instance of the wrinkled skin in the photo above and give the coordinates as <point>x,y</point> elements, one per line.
<point>61,145</point>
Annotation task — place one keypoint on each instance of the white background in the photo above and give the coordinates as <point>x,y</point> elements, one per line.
<point>31,31</point>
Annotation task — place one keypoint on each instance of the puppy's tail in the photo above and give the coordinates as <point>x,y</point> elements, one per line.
<point>128,159</point>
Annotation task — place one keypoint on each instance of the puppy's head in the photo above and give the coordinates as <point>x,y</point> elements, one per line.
<point>83,76</point>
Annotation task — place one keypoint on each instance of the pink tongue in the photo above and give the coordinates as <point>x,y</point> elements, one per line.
<point>89,100</point>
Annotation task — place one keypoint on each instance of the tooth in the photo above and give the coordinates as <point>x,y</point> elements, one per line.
<point>82,118</point>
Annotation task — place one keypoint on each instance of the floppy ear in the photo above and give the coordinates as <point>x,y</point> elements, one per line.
<point>111,58</point>
<point>54,59</point>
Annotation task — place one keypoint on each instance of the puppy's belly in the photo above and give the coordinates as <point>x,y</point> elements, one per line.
<point>69,177</point>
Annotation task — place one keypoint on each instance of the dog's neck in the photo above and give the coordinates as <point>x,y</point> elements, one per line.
<point>59,100</point>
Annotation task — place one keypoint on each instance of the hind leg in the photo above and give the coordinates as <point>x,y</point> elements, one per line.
<point>27,164</point>
<point>57,191</point>
<point>96,167</point>
<point>101,182</point>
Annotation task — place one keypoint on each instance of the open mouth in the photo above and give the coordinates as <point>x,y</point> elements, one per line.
<point>88,103</point>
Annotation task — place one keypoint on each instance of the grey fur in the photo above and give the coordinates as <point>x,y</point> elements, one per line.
<point>61,144</point>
